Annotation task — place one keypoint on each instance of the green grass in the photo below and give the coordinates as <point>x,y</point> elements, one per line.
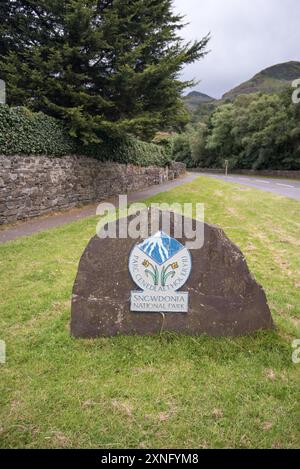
<point>164,391</point>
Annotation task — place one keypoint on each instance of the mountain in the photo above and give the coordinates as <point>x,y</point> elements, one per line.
<point>270,80</point>
<point>160,247</point>
<point>195,98</point>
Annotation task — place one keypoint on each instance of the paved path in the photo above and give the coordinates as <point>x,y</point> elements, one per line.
<point>283,187</point>
<point>36,225</point>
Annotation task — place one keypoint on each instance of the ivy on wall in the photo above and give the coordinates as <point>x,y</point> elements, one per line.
<point>23,132</point>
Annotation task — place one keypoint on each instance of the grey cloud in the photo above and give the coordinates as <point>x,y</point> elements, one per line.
<point>247,36</point>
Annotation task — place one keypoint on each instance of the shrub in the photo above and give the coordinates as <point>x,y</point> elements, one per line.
<point>182,149</point>
<point>189,147</point>
<point>26,133</point>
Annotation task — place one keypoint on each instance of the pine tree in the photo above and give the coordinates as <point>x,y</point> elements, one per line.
<point>108,67</point>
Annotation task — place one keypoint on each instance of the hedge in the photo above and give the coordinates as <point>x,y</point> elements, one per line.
<point>23,132</point>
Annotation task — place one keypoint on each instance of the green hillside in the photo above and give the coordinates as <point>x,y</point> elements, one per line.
<point>270,80</point>
<point>194,99</point>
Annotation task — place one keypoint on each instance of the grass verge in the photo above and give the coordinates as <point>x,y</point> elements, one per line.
<point>166,391</point>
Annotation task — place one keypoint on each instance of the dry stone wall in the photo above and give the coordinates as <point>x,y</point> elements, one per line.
<point>37,185</point>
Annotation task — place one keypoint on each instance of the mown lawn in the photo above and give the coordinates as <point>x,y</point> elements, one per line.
<point>166,391</point>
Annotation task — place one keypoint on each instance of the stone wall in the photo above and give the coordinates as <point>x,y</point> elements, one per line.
<point>36,185</point>
<point>288,174</point>
<point>177,169</point>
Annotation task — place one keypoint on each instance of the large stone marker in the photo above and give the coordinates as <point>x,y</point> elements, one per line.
<point>127,286</point>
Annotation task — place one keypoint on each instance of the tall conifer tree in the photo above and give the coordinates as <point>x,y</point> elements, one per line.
<point>108,67</point>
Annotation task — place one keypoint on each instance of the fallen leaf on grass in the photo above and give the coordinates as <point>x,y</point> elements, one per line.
<point>267,426</point>
<point>217,413</point>
<point>163,416</point>
<point>271,374</point>
<point>60,439</point>
<point>124,407</point>
<point>88,403</point>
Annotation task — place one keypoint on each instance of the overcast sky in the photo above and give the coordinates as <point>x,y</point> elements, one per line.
<point>247,36</point>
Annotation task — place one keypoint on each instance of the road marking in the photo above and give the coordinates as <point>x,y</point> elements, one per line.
<point>264,182</point>
<point>284,185</point>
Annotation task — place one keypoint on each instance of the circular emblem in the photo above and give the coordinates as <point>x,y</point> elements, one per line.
<point>160,263</point>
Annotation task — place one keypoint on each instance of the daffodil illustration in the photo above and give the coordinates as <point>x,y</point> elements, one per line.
<point>166,272</point>
<point>153,272</point>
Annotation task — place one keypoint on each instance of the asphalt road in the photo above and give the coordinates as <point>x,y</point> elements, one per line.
<point>283,187</point>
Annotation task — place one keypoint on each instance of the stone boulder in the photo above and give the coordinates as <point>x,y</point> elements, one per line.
<point>224,298</point>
